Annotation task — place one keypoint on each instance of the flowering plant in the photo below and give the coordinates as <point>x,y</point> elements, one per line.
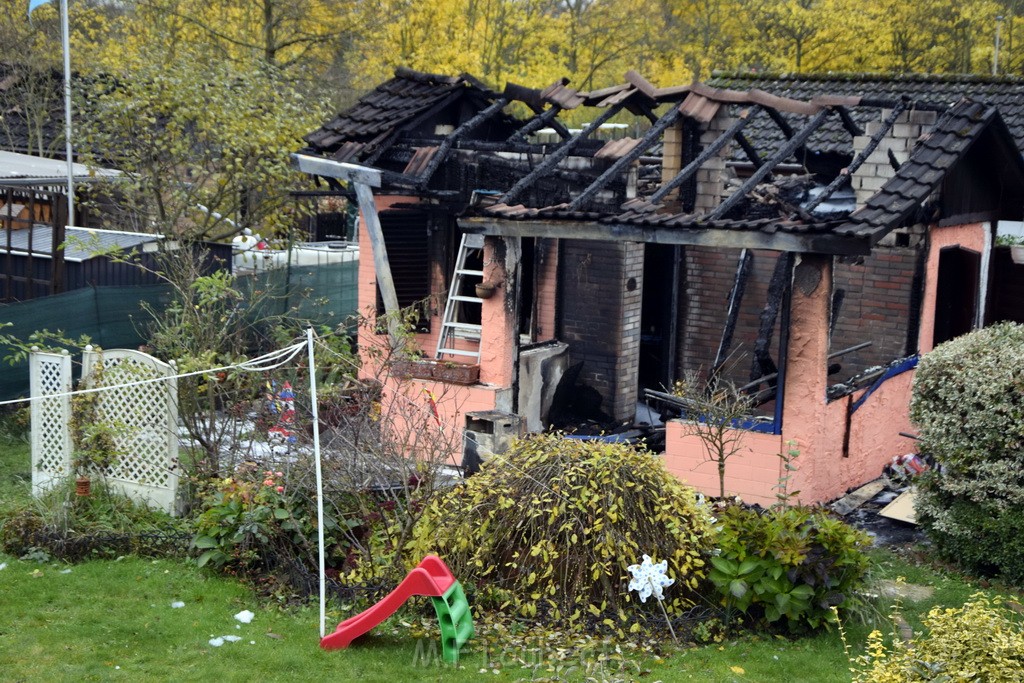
<point>248,511</point>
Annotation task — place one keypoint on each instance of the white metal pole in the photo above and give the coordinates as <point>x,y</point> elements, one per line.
<point>319,483</point>
<point>66,42</point>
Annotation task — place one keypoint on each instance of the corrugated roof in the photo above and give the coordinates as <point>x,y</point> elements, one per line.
<point>47,171</point>
<point>80,244</point>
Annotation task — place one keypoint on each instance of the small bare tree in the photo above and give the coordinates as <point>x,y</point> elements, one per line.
<point>715,413</point>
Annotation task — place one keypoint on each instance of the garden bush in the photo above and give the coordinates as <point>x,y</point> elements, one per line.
<point>981,641</point>
<point>62,525</point>
<point>968,403</point>
<point>788,564</point>
<point>253,515</point>
<point>553,523</point>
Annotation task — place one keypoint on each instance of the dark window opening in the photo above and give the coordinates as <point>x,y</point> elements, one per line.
<point>956,294</point>
<point>656,367</point>
<point>527,289</point>
<point>406,238</point>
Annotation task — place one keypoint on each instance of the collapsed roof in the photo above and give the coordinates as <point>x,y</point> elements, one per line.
<point>792,157</point>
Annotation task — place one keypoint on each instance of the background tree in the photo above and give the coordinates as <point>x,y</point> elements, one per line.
<point>204,146</point>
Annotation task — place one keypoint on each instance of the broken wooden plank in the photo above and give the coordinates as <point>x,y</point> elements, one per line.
<point>902,508</point>
<point>854,500</point>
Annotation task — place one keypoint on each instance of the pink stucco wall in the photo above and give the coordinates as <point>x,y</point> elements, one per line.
<point>970,236</point>
<point>749,473</point>
<point>406,403</point>
<point>811,425</point>
<point>406,409</point>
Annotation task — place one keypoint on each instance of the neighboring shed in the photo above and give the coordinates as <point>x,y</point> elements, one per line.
<point>837,231</point>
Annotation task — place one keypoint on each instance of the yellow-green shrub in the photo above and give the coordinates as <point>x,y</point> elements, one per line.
<point>980,641</point>
<point>554,522</point>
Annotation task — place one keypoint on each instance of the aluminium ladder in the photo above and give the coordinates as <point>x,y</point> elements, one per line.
<point>452,328</point>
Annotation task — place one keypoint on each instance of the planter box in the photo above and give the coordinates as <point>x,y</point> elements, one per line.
<point>451,373</point>
<point>456,373</point>
<point>414,369</point>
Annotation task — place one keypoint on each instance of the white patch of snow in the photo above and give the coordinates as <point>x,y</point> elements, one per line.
<point>216,642</point>
<point>245,616</point>
<point>177,604</point>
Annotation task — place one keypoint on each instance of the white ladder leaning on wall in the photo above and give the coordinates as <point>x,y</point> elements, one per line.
<point>453,327</point>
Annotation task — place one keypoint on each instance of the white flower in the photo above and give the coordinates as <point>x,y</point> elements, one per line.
<point>649,578</point>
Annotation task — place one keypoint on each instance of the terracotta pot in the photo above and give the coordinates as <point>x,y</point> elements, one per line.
<point>83,486</point>
<point>485,290</point>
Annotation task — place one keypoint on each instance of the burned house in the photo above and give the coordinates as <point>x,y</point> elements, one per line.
<point>809,248</point>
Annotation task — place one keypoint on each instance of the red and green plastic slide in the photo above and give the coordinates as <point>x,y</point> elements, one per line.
<point>430,578</point>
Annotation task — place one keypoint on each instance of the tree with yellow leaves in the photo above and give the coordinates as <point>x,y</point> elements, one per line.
<point>203,145</point>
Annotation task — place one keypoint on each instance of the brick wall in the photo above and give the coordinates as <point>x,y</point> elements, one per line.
<point>600,317</point>
<point>710,274</point>
<point>876,308</point>
<point>900,140</point>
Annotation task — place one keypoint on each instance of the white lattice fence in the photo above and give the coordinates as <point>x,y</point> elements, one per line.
<point>144,417</point>
<point>146,420</point>
<point>50,373</point>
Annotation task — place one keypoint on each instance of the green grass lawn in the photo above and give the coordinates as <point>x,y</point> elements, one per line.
<point>107,620</point>
<point>112,619</point>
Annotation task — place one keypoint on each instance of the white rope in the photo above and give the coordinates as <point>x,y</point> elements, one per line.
<point>252,365</point>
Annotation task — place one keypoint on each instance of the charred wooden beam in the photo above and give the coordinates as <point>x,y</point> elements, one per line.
<point>784,330</point>
<point>848,123</point>
<point>762,363</point>
<point>695,235</point>
<point>398,133</point>
<point>544,118</point>
<point>781,154</point>
<point>524,166</point>
<point>749,151</point>
<point>739,285</point>
<point>780,121</point>
<point>442,151</point>
<point>861,157</point>
<point>893,161</point>
<point>838,297</point>
<point>558,155</point>
<point>709,151</point>
<point>646,142</point>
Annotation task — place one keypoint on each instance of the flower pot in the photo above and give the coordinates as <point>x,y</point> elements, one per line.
<point>457,373</point>
<point>1017,253</point>
<point>485,290</point>
<point>83,486</point>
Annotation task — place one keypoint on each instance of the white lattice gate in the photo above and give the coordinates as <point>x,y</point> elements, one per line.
<point>50,373</point>
<point>144,411</point>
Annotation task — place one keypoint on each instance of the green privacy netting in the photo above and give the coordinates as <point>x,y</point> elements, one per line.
<point>113,317</point>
